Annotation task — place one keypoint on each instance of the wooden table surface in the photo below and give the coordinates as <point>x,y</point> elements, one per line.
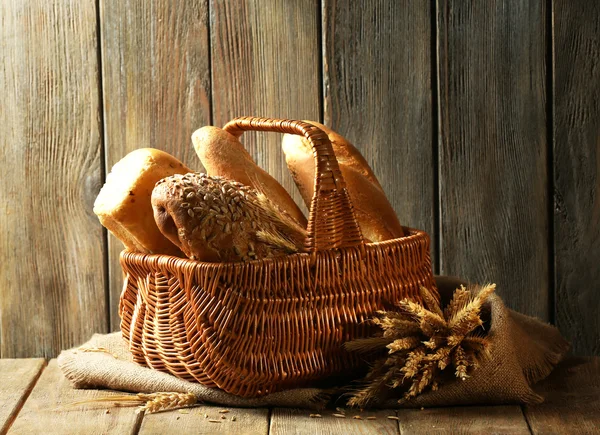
<point>35,398</point>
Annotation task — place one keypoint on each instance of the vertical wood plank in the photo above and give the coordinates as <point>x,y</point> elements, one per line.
<point>378,94</point>
<point>265,62</point>
<point>577,172</point>
<point>17,377</point>
<point>156,87</point>
<point>493,168</point>
<point>50,409</point>
<point>51,249</point>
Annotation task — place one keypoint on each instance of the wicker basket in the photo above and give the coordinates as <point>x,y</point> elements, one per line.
<point>257,327</point>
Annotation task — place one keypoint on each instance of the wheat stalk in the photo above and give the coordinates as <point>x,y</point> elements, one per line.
<point>148,402</point>
<point>423,340</point>
<point>156,402</point>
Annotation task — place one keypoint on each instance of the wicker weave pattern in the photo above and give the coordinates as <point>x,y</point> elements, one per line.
<point>257,327</point>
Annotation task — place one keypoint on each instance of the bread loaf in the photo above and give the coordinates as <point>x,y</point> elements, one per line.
<point>223,155</point>
<point>124,202</point>
<point>375,215</point>
<point>215,219</point>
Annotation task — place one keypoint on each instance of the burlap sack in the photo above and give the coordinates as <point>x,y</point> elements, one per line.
<point>523,351</point>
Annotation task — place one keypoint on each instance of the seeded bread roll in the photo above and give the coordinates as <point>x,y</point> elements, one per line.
<point>123,204</point>
<point>375,215</point>
<point>222,154</point>
<point>215,219</point>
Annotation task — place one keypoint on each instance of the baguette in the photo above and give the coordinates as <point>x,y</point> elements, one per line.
<point>124,206</point>
<point>222,154</point>
<point>375,215</point>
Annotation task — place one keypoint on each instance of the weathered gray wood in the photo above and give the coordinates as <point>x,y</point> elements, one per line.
<point>197,421</point>
<point>156,83</point>
<point>572,400</point>
<point>484,420</point>
<point>493,147</point>
<point>17,378</point>
<point>378,94</point>
<point>51,249</point>
<point>50,410</point>
<point>577,172</point>
<point>265,62</point>
<point>299,422</point>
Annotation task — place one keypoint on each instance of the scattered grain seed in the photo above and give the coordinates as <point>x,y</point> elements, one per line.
<point>183,411</point>
<point>392,417</point>
<point>107,411</point>
<point>371,418</point>
<point>223,417</point>
<point>214,421</point>
<point>205,415</point>
<point>341,410</point>
<point>339,415</point>
<point>233,418</point>
<point>357,417</point>
<point>315,416</point>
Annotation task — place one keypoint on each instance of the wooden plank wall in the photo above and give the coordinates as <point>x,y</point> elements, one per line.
<point>481,119</point>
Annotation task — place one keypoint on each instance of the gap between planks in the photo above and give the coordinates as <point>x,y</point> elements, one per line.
<point>17,378</point>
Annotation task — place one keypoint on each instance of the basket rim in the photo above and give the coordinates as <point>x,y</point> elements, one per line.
<point>416,236</point>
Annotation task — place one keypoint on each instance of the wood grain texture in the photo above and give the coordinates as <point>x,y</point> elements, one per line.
<point>577,172</point>
<point>572,400</point>
<point>493,148</point>
<point>50,409</point>
<point>196,421</point>
<point>378,94</point>
<point>265,62</point>
<point>484,420</point>
<point>156,85</point>
<point>299,422</point>
<point>17,377</point>
<point>51,249</point>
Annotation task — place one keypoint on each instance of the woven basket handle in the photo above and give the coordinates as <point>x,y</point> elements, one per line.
<point>331,223</point>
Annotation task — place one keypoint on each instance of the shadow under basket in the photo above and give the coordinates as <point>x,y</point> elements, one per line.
<point>254,328</point>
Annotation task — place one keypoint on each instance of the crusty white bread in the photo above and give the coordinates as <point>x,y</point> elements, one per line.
<point>222,154</point>
<point>375,215</point>
<point>124,203</point>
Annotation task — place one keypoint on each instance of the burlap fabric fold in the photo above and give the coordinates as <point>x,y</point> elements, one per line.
<point>523,352</point>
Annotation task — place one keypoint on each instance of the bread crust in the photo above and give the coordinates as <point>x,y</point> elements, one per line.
<point>222,154</point>
<point>124,205</point>
<point>375,215</point>
<point>218,220</point>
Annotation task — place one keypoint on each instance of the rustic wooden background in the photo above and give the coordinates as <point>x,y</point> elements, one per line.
<point>481,119</point>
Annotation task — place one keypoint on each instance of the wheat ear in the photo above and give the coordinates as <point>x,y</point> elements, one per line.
<point>151,402</point>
